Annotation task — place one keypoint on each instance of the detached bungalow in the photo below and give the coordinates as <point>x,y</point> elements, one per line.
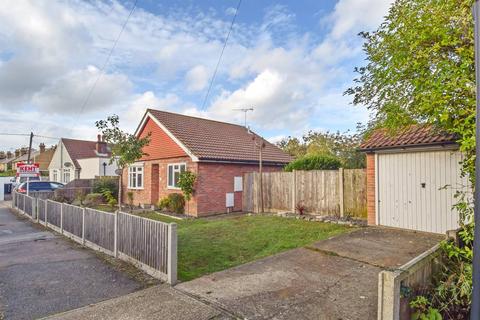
<point>80,159</point>
<point>218,152</point>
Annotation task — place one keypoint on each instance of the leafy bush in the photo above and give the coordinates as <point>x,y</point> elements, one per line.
<point>106,183</point>
<point>164,203</point>
<point>176,203</point>
<point>93,199</point>
<point>186,182</point>
<point>109,197</point>
<point>314,162</point>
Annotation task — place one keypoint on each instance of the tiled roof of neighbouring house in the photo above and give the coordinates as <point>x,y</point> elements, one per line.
<point>412,136</point>
<point>81,149</point>
<point>218,141</point>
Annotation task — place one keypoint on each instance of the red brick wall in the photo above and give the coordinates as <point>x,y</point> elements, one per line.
<point>152,191</point>
<point>371,188</point>
<point>215,180</point>
<point>161,145</point>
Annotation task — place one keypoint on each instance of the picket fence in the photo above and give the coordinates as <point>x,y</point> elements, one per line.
<point>326,192</point>
<point>148,244</point>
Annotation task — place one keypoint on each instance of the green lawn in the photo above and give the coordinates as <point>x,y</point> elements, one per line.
<point>206,246</point>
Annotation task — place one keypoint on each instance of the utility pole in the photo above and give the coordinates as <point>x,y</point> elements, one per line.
<point>260,145</point>
<point>244,110</point>
<point>475,308</point>
<point>30,148</point>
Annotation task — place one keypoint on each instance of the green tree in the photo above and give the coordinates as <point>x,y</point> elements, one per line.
<point>420,69</point>
<point>293,146</point>
<point>126,148</point>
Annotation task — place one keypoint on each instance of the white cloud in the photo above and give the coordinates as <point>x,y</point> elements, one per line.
<point>197,78</point>
<point>69,93</point>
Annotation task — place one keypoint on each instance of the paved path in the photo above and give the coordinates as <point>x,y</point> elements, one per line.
<point>43,274</point>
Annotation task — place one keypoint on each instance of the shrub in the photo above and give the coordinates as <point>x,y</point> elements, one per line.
<point>109,197</point>
<point>176,203</point>
<point>186,182</point>
<point>130,198</point>
<point>164,203</point>
<point>106,183</point>
<point>93,199</point>
<point>314,162</point>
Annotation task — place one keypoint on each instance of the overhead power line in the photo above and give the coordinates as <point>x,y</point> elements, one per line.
<point>220,57</point>
<point>85,102</point>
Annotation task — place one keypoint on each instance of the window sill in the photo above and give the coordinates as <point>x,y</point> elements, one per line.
<point>129,188</point>
<point>173,188</point>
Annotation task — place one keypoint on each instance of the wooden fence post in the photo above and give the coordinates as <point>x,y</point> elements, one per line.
<point>61,218</point>
<point>83,226</point>
<point>172,254</point>
<point>340,192</point>
<point>115,234</point>
<point>294,191</point>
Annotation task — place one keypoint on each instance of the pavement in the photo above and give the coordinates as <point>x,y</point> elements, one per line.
<point>42,273</point>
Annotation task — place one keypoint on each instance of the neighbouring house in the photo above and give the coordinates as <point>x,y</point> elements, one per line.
<point>21,155</point>
<point>218,153</point>
<point>43,157</point>
<point>6,163</point>
<point>412,179</point>
<point>80,159</point>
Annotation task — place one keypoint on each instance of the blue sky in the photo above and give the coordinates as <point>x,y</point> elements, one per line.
<point>290,60</point>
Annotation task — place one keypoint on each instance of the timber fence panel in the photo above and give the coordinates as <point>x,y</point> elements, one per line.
<point>355,192</point>
<point>145,243</point>
<point>72,219</point>
<point>318,190</point>
<point>100,229</point>
<point>54,213</point>
<point>41,207</point>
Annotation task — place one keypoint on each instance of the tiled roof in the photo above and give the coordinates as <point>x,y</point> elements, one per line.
<point>24,158</point>
<point>81,149</point>
<point>412,136</point>
<point>218,141</point>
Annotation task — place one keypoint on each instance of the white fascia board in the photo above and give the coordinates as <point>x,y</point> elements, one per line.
<point>178,142</point>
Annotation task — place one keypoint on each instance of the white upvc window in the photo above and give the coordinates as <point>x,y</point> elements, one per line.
<point>173,174</point>
<point>66,176</point>
<point>55,175</point>
<point>135,177</point>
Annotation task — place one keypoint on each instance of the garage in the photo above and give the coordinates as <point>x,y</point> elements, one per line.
<point>412,179</point>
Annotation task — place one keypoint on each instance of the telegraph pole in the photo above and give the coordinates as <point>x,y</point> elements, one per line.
<point>475,309</point>
<point>30,148</point>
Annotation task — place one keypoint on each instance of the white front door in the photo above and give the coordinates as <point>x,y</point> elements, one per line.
<point>416,190</point>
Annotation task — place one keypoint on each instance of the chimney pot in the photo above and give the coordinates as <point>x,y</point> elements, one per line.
<point>99,137</point>
<point>42,147</point>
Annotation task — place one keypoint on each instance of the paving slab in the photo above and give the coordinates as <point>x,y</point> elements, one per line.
<point>384,247</point>
<point>42,273</point>
<point>159,302</point>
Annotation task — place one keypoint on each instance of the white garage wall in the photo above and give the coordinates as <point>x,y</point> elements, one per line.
<point>404,203</point>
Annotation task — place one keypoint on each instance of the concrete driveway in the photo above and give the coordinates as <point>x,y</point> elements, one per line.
<point>42,274</point>
<point>331,279</point>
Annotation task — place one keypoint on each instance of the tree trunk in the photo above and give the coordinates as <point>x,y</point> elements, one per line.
<point>120,191</point>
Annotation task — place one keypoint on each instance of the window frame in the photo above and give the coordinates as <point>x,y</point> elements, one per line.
<point>136,166</point>
<point>69,175</point>
<point>179,164</point>
<point>55,175</point>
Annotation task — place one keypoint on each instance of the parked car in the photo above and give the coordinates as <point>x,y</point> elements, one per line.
<point>16,181</point>
<point>39,186</point>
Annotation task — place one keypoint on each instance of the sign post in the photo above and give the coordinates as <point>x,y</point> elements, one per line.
<point>25,170</point>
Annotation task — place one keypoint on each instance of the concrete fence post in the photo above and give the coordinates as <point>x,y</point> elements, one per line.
<point>24,201</point>
<point>172,254</point>
<point>115,234</point>
<point>46,213</point>
<point>340,192</point>
<point>61,218</point>
<point>38,212</point>
<point>389,295</point>
<point>34,208</point>
<point>83,226</point>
